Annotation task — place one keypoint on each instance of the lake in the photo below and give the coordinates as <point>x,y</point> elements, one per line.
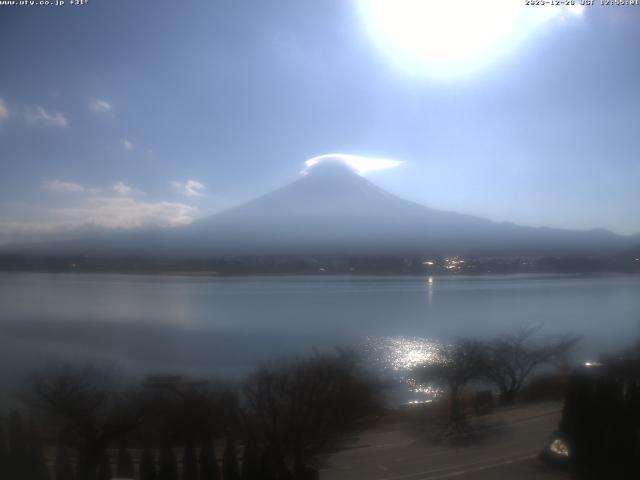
<point>225,326</point>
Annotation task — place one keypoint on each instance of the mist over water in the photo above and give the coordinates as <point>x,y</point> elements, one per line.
<point>225,326</point>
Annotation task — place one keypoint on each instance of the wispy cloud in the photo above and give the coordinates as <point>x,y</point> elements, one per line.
<point>96,216</point>
<point>63,187</point>
<point>96,210</point>
<point>190,188</point>
<point>128,144</point>
<point>4,110</point>
<point>99,105</point>
<point>126,213</point>
<point>120,188</point>
<point>13,232</point>
<point>39,115</point>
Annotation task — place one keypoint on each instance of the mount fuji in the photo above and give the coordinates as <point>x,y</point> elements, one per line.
<point>334,210</point>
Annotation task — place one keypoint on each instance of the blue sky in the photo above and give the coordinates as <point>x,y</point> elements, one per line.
<point>125,113</point>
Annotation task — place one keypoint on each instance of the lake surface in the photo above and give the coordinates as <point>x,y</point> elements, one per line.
<point>224,326</point>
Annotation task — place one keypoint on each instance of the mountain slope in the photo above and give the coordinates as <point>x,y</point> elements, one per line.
<point>331,210</point>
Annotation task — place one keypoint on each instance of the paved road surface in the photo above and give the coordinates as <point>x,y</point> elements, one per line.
<point>508,450</point>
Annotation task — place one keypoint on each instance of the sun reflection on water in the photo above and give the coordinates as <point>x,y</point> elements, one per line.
<point>399,356</point>
<point>403,353</point>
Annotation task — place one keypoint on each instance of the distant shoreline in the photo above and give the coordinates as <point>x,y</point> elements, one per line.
<point>214,274</point>
<point>338,264</point>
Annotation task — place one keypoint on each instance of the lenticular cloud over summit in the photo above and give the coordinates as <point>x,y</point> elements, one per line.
<point>357,163</point>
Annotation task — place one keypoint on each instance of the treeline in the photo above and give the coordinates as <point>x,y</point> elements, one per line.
<point>324,264</point>
<point>88,423</point>
<point>21,450</point>
<point>506,363</point>
<point>23,457</point>
<point>600,424</point>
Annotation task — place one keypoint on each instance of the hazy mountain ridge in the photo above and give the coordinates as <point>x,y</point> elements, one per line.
<point>332,209</point>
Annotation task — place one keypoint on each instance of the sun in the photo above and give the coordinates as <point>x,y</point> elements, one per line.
<point>446,37</point>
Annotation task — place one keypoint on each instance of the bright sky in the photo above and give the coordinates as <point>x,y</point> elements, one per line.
<point>123,113</point>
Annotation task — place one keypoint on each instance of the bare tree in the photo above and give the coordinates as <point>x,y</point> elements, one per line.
<point>230,469</point>
<point>303,408</point>
<point>148,465</point>
<point>208,463</point>
<point>185,409</point>
<point>250,461</point>
<point>189,462</point>
<point>18,458</point>
<point>4,452</point>
<point>37,464</point>
<point>512,358</point>
<point>125,468</point>
<point>456,365</point>
<point>63,469</point>
<point>167,464</point>
<point>87,404</point>
<point>104,466</point>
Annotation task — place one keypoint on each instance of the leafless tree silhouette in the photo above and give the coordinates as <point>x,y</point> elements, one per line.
<point>87,404</point>
<point>512,358</point>
<point>456,365</point>
<point>305,407</point>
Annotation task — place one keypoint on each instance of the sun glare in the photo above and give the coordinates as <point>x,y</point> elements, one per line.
<point>449,38</point>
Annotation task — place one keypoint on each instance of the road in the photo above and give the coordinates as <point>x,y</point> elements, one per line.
<point>507,449</point>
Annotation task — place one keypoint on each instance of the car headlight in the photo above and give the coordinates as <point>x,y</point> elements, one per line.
<point>559,447</point>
